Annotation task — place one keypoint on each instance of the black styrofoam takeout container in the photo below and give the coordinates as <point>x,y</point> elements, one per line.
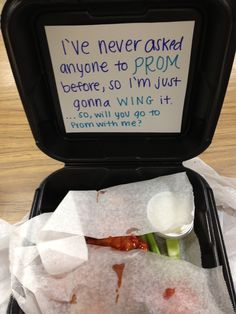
<point>95,161</point>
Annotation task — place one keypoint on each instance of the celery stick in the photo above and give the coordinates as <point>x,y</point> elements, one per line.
<point>173,248</point>
<point>152,243</point>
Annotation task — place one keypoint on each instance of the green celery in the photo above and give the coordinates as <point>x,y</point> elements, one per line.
<point>150,238</point>
<point>173,248</point>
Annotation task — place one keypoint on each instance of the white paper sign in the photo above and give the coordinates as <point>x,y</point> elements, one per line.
<point>121,77</point>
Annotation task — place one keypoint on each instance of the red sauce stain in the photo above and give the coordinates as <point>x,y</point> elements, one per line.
<point>168,293</point>
<point>131,230</point>
<point>98,194</point>
<point>73,299</point>
<point>118,268</point>
<point>117,297</point>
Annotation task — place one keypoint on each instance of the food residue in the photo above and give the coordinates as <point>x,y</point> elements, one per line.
<point>73,299</point>
<point>126,243</point>
<point>131,230</point>
<point>98,194</point>
<point>118,268</point>
<point>168,293</point>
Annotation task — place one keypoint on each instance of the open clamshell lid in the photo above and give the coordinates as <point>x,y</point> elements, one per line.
<point>121,80</point>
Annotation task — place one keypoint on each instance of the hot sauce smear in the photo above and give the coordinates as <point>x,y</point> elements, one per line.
<point>127,243</point>
<point>73,299</point>
<point>118,268</point>
<point>168,293</point>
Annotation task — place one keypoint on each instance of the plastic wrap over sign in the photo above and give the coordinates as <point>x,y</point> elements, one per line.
<point>121,77</point>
